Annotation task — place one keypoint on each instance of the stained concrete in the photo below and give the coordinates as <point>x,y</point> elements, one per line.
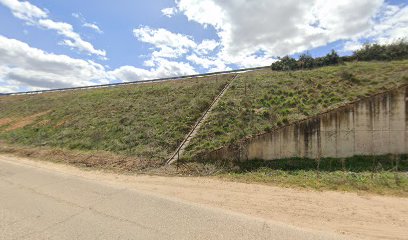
<point>373,126</point>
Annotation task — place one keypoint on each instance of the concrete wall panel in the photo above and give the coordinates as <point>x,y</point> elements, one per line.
<point>372,126</point>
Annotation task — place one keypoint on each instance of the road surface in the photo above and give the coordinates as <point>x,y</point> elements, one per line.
<point>38,203</point>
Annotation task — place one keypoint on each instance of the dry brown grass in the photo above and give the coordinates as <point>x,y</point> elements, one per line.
<point>107,161</point>
<point>5,121</point>
<point>90,159</point>
<point>25,121</point>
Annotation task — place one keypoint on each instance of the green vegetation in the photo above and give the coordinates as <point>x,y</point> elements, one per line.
<point>351,164</point>
<point>380,174</point>
<point>145,121</point>
<point>136,127</point>
<point>306,61</point>
<point>394,51</point>
<point>260,101</point>
<point>369,52</point>
<point>385,182</point>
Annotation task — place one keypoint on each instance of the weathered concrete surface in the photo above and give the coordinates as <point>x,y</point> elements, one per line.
<point>373,126</point>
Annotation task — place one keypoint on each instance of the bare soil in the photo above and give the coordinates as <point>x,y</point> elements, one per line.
<point>20,123</point>
<point>5,121</point>
<point>355,215</point>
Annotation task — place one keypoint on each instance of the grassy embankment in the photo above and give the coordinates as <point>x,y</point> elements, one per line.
<point>142,121</point>
<point>260,101</point>
<point>147,121</point>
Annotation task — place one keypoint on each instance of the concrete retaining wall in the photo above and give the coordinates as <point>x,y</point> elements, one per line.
<point>372,126</point>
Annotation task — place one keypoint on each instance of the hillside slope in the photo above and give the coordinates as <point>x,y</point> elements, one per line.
<point>260,101</point>
<point>148,121</point>
<point>145,121</point>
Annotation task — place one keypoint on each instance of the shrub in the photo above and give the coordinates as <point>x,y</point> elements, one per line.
<point>394,51</point>
<point>331,59</point>
<point>305,61</point>
<point>285,64</point>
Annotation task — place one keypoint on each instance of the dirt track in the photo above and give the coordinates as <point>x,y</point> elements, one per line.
<point>360,216</point>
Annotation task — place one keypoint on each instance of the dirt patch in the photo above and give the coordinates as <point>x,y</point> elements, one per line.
<point>90,159</point>
<point>356,216</point>
<point>44,122</point>
<point>60,123</point>
<point>22,122</point>
<point>5,121</point>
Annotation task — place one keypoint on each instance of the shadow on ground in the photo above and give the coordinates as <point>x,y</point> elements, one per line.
<point>353,164</point>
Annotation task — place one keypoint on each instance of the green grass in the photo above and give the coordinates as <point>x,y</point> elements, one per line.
<point>145,121</point>
<point>148,121</point>
<point>384,182</point>
<point>387,175</point>
<point>260,101</point>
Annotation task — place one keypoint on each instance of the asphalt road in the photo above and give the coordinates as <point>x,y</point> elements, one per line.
<point>37,203</point>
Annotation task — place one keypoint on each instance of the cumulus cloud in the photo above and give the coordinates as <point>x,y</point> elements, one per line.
<point>163,68</point>
<point>277,28</point>
<point>23,65</point>
<point>213,64</point>
<point>169,45</point>
<point>393,24</point>
<point>254,33</point>
<point>207,46</point>
<point>250,33</point>
<point>169,12</point>
<point>351,46</point>
<point>24,10</point>
<point>33,15</point>
<point>166,44</point>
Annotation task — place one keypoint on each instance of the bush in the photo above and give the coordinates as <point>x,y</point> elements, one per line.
<point>331,59</point>
<point>285,64</point>
<point>369,52</point>
<point>394,51</point>
<point>305,61</point>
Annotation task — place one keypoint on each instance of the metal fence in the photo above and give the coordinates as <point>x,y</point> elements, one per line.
<point>133,82</point>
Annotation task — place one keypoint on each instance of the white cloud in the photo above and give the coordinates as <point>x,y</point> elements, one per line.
<point>277,28</point>
<point>206,12</point>
<point>163,68</point>
<point>162,37</point>
<point>166,44</point>
<point>33,15</point>
<point>73,40</point>
<point>86,24</point>
<point>169,12</point>
<point>24,10</point>
<point>169,45</point>
<point>22,65</point>
<point>351,46</point>
<point>393,25</point>
<point>207,46</point>
<point>92,26</point>
<point>213,64</point>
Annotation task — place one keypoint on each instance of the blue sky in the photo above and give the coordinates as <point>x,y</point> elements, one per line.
<point>51,44</point>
